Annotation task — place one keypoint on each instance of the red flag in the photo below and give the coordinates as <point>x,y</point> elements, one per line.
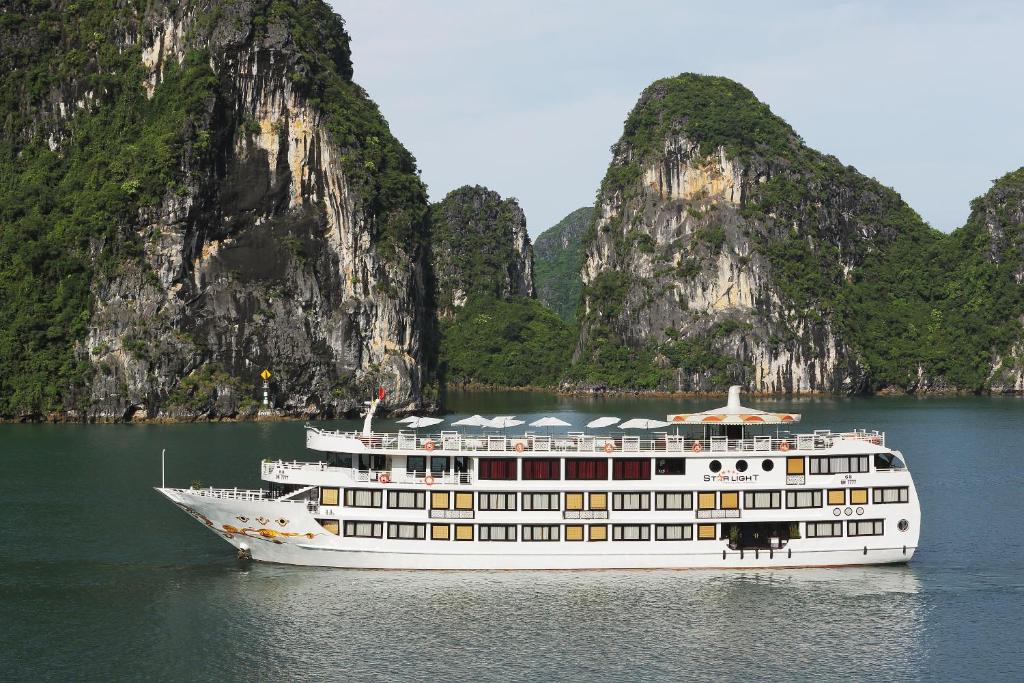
<point>380,393</point>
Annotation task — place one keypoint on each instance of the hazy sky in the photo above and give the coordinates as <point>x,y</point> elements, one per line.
<point>526,97</point>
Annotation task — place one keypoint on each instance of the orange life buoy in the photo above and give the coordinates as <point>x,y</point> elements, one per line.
<point>384,479</point>
<point>428,480</point>
<point>784,446</point>
<point>876,440</point>
<point>429,445</point>
<point>697,447</point>
<point>520,448</point>
<point>608,448</point>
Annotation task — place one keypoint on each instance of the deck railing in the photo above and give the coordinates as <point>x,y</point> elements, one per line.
<point>455,442</point>
<point>237,494</point>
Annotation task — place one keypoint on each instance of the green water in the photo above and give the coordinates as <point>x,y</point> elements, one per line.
<point>101,578</point>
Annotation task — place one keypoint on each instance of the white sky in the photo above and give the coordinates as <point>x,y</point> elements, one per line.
<point>526,97</point>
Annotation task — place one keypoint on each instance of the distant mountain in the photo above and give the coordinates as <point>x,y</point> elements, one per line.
<point>558,257</point>
<point>727,251</point>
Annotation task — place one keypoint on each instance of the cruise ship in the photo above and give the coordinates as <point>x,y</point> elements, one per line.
<point>733,487</point>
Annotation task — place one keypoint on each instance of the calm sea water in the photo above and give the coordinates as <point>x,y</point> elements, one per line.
<point>101,578</point>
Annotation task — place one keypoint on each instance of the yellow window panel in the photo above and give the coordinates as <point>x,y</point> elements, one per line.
<point>706,500</point>
<point>463,532</point>
<point>329,496</point>
<point>440,532</point>
<point>331,525</point>
<point>598,532</point>
<point>794,465</point>
<point>598,501</point>
<point>730,500</point>
<point>858,496</point>
<point>574,532</point>
<point>574,501</point>
<point>439,500</point>
<point>463,500</point>
<point>706,532</point>
<point>837,496</point>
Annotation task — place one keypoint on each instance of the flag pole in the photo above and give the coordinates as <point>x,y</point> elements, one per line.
<point>162,481</point>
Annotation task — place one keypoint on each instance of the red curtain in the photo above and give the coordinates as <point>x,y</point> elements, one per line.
<point>586,468</point>
<point>498,468</point>
<point>631,468</point>
<point>541,468</point>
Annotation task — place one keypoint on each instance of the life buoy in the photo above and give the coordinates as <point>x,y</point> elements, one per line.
<point>608,448</point>
<point>428,480</point>
<point>697,447</point>
<point>876,440</point>
<point>520,448</point>
<point>784,446</point>
<point>384,479</point>
<point>429,445</point>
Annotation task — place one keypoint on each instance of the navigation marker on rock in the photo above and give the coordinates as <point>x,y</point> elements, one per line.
<point>266,386</point>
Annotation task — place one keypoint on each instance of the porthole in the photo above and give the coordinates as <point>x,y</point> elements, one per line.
<point>714,466</point>
<point>767,465</point>
<point>860,511</point>
<point>741,465</point>
<point>837,512</point>
<point>903,525</point>
<point>848,511</point>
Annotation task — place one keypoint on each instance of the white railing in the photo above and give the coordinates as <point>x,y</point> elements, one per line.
<point>718,514</point>
<point>454,442</point>
<point>452,514</point>
<point>233,494</point>
<point>585,514</point>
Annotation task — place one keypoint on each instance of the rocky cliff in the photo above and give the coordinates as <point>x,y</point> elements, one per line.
<point>558,258</point>
<point>727,251</point>
<point>480,248</point>
<point>222,197</point>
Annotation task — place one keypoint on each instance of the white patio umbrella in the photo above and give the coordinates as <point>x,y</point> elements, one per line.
<point>550,422</point>
<point>474,421</point>
<point>424,422</point>
<point>643,423</point>
<point>602,422</point>
<point>404,420</point>
<point>503,421</point>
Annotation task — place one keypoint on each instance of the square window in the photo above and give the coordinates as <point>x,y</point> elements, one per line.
<point>858,496</point>
<point>463,500</point>
<point>598,532</point>
<point>331,526</point>
<point>706,532</point>
<point>794,465</point>
<point>463,532</point>
<point>574,532</point>
<point>439,500</point>
<point>574,501</point>
<point>837,496</point>
<point>730,500</point>
<point>706,500</point>
<point>328,496</point>
<point>440,532</point>
<point>598,501</point>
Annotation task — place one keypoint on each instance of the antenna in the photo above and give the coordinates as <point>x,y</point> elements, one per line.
<point>162,481</point>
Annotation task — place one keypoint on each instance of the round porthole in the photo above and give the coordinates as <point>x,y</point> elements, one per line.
<point>741,465</point>
<point>714,466</point>
<point>767,465</point>
<point>837,512</point>
<point>860,511</point>
<point>848,511</point>
<point>903,525</point>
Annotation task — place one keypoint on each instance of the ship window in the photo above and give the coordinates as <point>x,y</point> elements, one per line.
<point>631,468</point>
<point>464,500</point>
<point>673,500</point>
<point>865,527</point>
<point>364,529</point>
<point>888,461</point>
<point>501,469</point>
<point>540,501</point>
<point>439,500</point>
<point>497,501</point>
<point>803,499</point>
<point>762,500</point>
<point>706,532</point>
<point>463,532</point>
<point>891,494</point>
<point>363,498</point>
<point>440,465</point>
<point>407,530</point>
<point>837,496</point>
<point>824,529</point>
<point>331,526</point>
<point>715,466</point>
<point>496,532</point>
<point>540,532</point>
<point>670,466</point>
<point>706,500</point>
<point>416,465</point>
<point>839,464</point>
<point>440,532</point>
<point>598,532</point>
<point>858,496</point>
<point>767,465</point>
<point>586,468</point>
<point>598,501</point>
<point>730,500</point>
<point>631,532</point>
<point>673,532</point>
<point>574,501</point>
<point>407,500</point>
<point>574,532</point>
<point>328,496</point>
<point>631,501</point>
<point>794,465</point>
<point>542,468</point>
<point>741,465</point>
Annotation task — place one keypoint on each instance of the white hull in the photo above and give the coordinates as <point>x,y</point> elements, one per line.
<point>302,541</point>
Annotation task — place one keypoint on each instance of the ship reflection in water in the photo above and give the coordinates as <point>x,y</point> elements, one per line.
<point>699,625</point>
